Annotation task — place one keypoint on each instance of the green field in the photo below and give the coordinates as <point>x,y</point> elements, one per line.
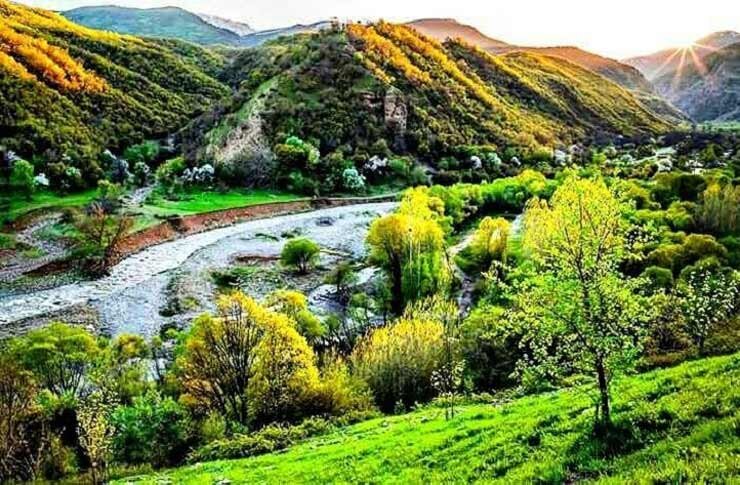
<point>680,425</point>
<point>19,205</point>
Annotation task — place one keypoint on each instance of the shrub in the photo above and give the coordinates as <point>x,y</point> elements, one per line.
<point>21,178</point>
<point>398,362</point>
<point>169,172</point>
<point>300,253</point>
<point>153,429</point>
<point>658,278</point>
<point>352,180</point>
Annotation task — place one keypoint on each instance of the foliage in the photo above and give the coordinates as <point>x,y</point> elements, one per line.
<point>96,432</point>
<point>59,356</point>
<point>398,361</point>
<point>409,246</point>
<point>580,313</point>
<point>100,235</point>
<point>21,178</point>
<point>490,241</point>
<point>300,253</point>
<point>709,298</point>
<point>294,304</point>
<point>152,429</point>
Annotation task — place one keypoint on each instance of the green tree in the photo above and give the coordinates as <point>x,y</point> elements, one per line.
<point>218,362</point>
<point>21,178</point>
<point>60,356</point>
<point>294,305</point>
<point>100,235</point>
<point>95,430</point>
<point>579,313</point>
<point>409,246</point>
<point>300,253</point>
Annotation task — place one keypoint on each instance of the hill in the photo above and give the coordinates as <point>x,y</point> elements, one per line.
<point>166,22</point>
<point>347,90</point>
<point>239,28</point>
<point>709,91</point>
<point>677,426</point>
<point>69,92</point>
<point>620,73</point>
<point>443,29</point>
<point>260,37</point>
<point>666,61</point>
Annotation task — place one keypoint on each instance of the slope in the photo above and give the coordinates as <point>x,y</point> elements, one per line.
<point>666,61</point>
<point>443,29</point>
<point>350,89</point>
<point>69,92</point>
<point>166,22</point>
<point>673,426</point>
<point>709,90</point>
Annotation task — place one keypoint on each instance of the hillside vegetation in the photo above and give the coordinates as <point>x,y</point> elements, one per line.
<point>674,426</point>
<point>69,92</point>
<point>363,90</point>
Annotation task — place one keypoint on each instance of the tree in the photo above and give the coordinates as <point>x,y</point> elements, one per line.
<point>343,277</point>
<point>409,245</point>
<point>285,374</point>
<point>398,361</point>
<point>490,240</point>
<point>21,178</point>
<point>218,362</point>
<point>709,298</point>
<point>579,314</point>
<point>300,253</point>
<point>447,379</point>
<point>60,357</point>
<point>294,305</point>
<point>18,392</point>
<point>719,210</point>
<point>100,236</point>
<point>96,432</point>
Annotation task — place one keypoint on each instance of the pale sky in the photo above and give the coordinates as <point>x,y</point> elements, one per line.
<point>615,28</point>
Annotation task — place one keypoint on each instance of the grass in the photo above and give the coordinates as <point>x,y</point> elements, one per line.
<point>680,425</point>
<point>18,205</point>
<point>198,202</point>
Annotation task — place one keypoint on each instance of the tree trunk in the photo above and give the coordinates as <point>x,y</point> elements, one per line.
<point>397,288</point>
<point>604,393</point>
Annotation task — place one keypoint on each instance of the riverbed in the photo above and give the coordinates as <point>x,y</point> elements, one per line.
<point>131,298</point>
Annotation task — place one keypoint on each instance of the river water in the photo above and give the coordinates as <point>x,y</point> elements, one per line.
<point>130,299</point>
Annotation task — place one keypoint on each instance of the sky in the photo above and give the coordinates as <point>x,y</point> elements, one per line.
<point>617,29</point>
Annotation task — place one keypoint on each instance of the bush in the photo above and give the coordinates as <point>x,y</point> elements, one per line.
<point>398,362</point>
<point>300,253</point>
<point>272,438</point>
<point>154,429</point>
<point>21,178</point>
<point>658,278</point>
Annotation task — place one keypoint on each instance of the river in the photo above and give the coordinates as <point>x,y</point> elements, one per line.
<point>130,299</point>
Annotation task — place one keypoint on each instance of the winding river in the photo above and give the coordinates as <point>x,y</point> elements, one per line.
<point>130,299</point>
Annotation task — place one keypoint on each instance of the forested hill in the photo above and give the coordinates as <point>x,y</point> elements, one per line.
<point>68,92</point>
<point>350,89</point>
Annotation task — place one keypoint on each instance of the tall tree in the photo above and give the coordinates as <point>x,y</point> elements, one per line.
<point>579,314</point>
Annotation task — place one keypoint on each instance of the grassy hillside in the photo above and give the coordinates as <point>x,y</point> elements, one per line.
<point>678,426</point>
<point>68,92</point>
<point>167,22</point>
<point>708,90</point>
<point>346,90</point>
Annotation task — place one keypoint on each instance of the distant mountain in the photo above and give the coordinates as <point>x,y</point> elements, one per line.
<point>443,29</point>
<point>709,91</point>
<point>68,92</point>
<point>663,62</point>
<point>239,28</point>
<point>622,74</point>
<point>166,22</point>
<point>262,36</point>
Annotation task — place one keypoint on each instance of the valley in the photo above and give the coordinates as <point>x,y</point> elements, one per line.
<point>366,251</point>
